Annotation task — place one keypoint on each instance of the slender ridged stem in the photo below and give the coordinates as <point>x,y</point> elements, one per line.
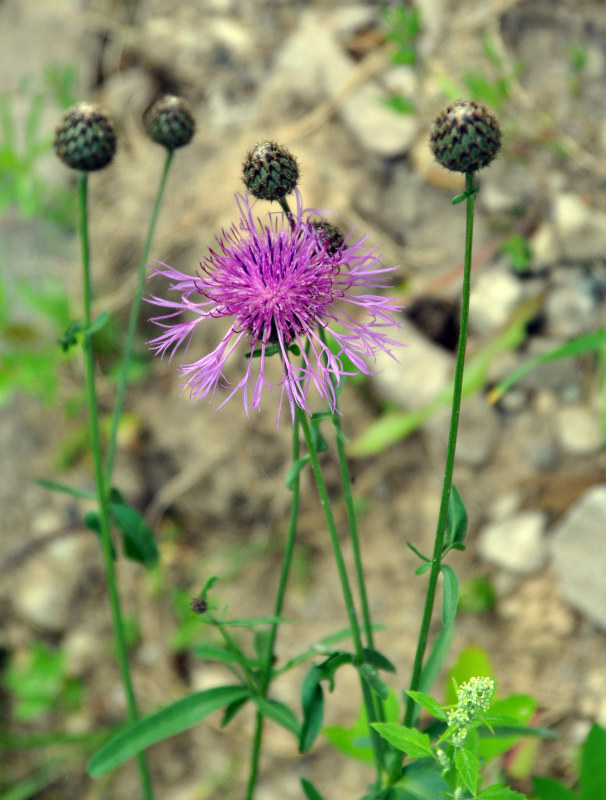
<point>449,464</point>
<point>345,585</point>
<point>100,485</point>
<point>132,324</point>
<point>284,573</point>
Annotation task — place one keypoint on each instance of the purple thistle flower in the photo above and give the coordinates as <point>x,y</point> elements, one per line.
<point>281,284</point>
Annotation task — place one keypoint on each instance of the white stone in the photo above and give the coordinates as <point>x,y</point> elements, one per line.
<point>418,374</point>
<point>578,430</point>
<point>515,543</point>
<point>494,295</point>
<point>579,555</point>
<point>582,229</point>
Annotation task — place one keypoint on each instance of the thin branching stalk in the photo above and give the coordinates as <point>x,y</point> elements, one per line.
<point>345,586</point>
<point>132,324</point>
<point>266,675</point>
<point>436,560</point>
<point>100,485</point>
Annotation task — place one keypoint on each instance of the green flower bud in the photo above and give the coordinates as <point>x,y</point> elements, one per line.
<point>269,171</point>
<point>170,122</point>
<point>85,139</point>
<point>465,137</point>
<point>330,236</point>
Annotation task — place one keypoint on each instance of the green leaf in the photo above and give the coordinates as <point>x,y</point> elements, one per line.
<point>422,569</point>
<point>293,473</point>
<point>278,712</point>
<point>322,647</point>
<point>93,523</point>
<point>588,343</point>
<point>253,621</point>
<point>212,653</point>
<point>137,537</point>
<point>371,676</point>
<point>450,592</point>
<point>409,740</point>
<point>458,199</point>
<point>97,324</point>
<point>53,486</point>
<point>428,703</point>
<point>417,553</point>
<point>399,103</point>
<point>456,520</point>
<point>468,768</point>
<point>472,662</point>
<point>593,765</point>
<point>422,781</point>
<point>169,721</point>
<point>232,709</point>
<point>311,793</point>
<point>377,660</point>
<point>496,792</point>
<point>354,741</point>
<point>312,704</point>
<point>546,789</point>
<point>436,658</point>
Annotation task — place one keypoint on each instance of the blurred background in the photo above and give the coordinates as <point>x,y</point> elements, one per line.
<point>351,89</point>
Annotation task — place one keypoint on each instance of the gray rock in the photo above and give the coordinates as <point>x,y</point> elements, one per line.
<point>578,430</point>
<point>515,543</point>
<point>422,370</point>
<point>579,555</point>
<point>47,586</point>
<point>494,295</point>
<point>582,229</point>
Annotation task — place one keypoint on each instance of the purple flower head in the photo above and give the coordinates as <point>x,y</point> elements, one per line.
<point>283,288</point>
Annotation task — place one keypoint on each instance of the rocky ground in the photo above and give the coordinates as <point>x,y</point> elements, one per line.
<point>531,468</point>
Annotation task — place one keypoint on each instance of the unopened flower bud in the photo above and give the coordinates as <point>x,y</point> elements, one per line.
<point>170,122</point>
<point>465,137</point>
<point>331,238</point>
<point>85,139</point>
<point>269,171</point>
<point>199,605</point>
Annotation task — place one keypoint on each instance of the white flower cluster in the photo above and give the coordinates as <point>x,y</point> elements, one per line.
<point>473,700</point>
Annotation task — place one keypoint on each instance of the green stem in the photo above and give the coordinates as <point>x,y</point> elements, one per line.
<point>449,465</point>
<point>101,490</point>
<point>132,323</point>
<point>353,530</point>
<point>284,573</point>
<point>345,586</point>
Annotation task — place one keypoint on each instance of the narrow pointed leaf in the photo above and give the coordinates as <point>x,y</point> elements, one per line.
<point>280,713</point>
<point>53,486</point>
<point>371,676</point>
<point>436,658</point>
<point>450,592</point>
<point>312,703</point>
<point>137,537</point>
<point>294,472</point>
<point>377,660</point>
<point>311,793</point>
<point>456,520</point>
<point>169,721</point>
<point>232,709</point>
